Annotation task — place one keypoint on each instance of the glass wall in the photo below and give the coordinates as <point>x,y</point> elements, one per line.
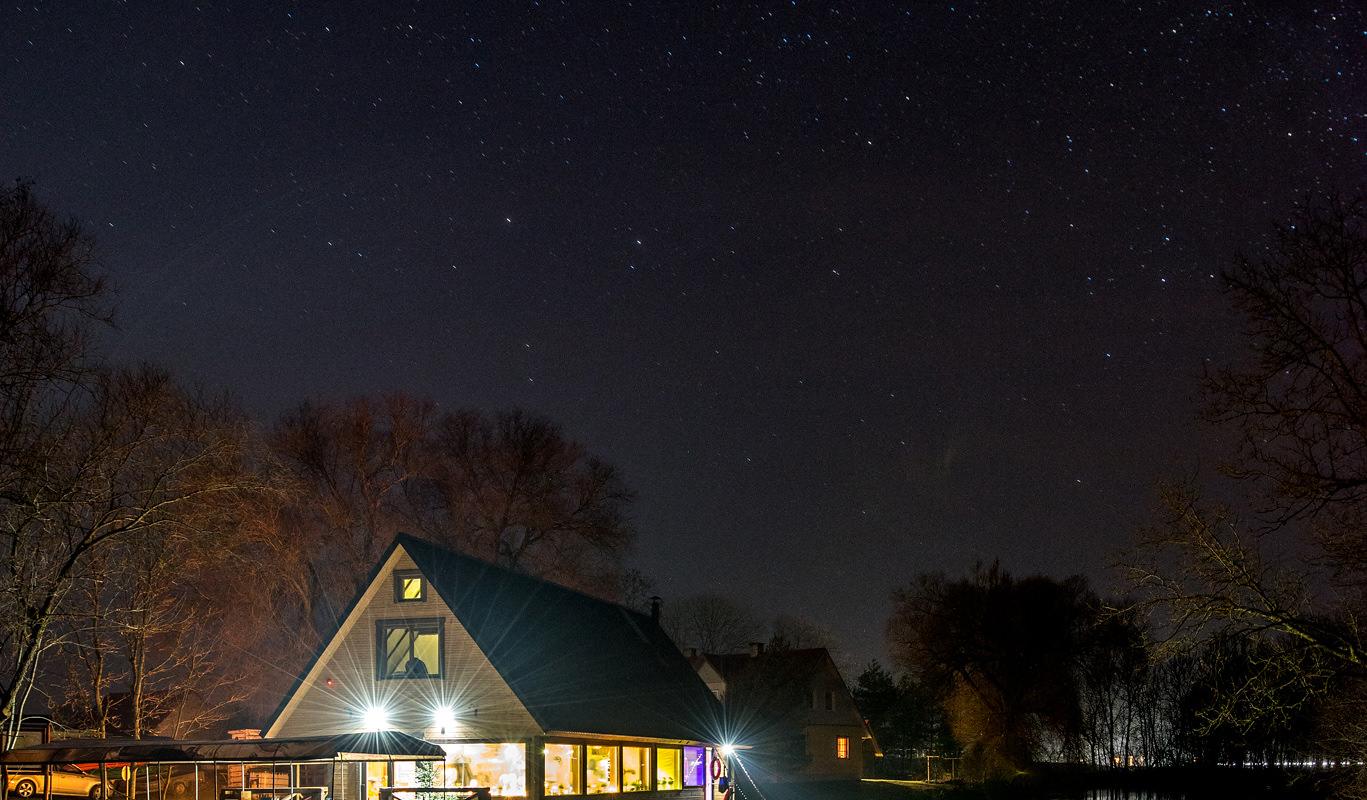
<point>574,769</point>
<point>635,769</point>
<point>563,769</point>
<point>668,769</point>
<point>500,767</point>
<point>602,769</point>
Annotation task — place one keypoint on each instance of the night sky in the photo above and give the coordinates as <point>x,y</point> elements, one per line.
<point>849,292</point>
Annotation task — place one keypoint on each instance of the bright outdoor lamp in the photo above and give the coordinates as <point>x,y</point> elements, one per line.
<point>375,719</point>
<point>444,719</point>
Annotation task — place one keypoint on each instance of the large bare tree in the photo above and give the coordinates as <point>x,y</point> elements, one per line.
<point>1278,550</point>
<point>137,460</point>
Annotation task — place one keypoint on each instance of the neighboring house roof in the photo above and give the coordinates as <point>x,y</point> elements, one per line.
<point>730,666</point>
<point>800,664</point>
<point>578,664</point>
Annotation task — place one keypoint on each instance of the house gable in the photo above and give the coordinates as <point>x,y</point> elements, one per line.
<point>342,686</point>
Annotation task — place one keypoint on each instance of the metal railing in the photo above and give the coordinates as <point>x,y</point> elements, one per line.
<point>440,792</point>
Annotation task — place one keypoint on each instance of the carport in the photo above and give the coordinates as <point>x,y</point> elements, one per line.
<point>303,768</point>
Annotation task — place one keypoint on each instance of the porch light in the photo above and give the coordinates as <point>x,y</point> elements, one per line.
<point>728,750</point>
<point>444,719</point>
<point>375,719</point>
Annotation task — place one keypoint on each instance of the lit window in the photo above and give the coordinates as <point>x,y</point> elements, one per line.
<point>635,769</point>
<point>562,769</point>
<point>695,766</point>
<point>408,649</point>
<point>409,587</point>
<point>842,747</point>
<point>602,769</point>
<point>501,767</point>
<point>668,769</point>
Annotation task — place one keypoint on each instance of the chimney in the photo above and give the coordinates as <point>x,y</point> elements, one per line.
<point>655,609</point>
<point>756,649</point>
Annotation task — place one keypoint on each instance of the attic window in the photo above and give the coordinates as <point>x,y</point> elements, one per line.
<point>409,648</point>
<point>409,587</point>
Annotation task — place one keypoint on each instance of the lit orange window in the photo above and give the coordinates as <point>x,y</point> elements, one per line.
<point>842,747</point>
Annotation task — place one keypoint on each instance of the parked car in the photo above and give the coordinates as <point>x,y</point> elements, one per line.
<point>66,782</point>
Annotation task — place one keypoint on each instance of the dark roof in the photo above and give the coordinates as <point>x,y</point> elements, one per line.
<point>382,745</point>
<point>578,663</point>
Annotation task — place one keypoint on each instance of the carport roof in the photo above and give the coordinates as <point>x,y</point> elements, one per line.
<point>373,746</point>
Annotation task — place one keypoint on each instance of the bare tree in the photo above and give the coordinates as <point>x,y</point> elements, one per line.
<point>515,490</point>
<point>355,464</point>
<point>141,458</point>
<point>711,623</point>
<point>1292,569</point>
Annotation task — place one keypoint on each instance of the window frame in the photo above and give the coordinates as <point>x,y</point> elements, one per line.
<point>842,747</point>
<point>435,625</point>
<point>647,767</point>
<point>581,773</point>
<point>616,767</point>
<point>830,700</point>
<point>655,768</point>
<point>403,574</point>
<point>706,766</point>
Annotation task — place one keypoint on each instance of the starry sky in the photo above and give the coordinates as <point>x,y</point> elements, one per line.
<point>849,291</point>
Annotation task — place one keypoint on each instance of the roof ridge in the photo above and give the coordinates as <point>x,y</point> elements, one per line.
<point>403,537</point>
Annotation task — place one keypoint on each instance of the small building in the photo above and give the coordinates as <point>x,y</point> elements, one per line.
<point>530,688</point>
<point>817,705</point>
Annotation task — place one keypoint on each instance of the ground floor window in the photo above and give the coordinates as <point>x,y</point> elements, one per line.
<point>635,769</point>
<point>501,767</point>
<point>668,769</point>
<point>563,769</point>
<point>695,766</point>
<point>602,769</point>
<point>376,777</point>
<point>842,747</point>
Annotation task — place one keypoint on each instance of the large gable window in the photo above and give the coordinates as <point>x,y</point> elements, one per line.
<point>408,648</point>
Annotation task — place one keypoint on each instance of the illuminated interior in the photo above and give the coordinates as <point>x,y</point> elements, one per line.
<point>376,777</point>
<point>501,767</point>
<point>695,766</point>
<point>635,769</point>
<point>668,769</point>
<point>842,747</point>
<point>563,769</point>
<point>410,589</point>
<point>602,769</point>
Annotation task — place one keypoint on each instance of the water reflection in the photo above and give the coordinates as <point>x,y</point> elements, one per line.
<point>1126,794</point>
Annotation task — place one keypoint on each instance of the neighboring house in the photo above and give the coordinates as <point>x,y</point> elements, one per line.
<point>819,705</point>
<point>532,689</point>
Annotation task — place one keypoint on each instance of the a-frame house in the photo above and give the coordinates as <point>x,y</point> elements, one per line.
<point>532,689</point>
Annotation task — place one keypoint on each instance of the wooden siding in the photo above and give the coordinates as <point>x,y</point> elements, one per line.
<point>485,707</point>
